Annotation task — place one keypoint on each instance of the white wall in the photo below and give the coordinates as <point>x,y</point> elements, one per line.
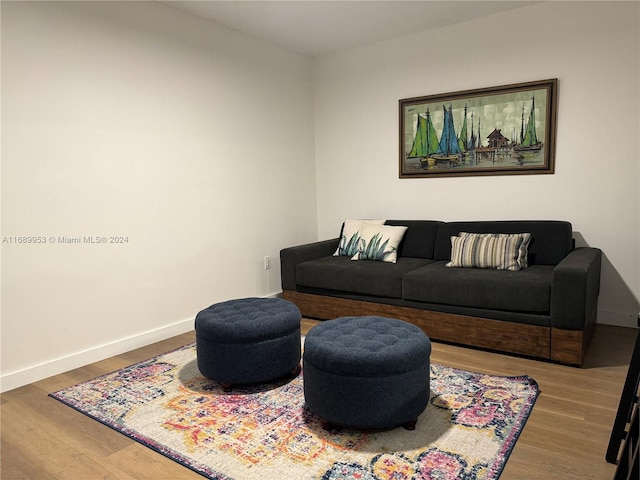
<point>135,119</point>
<point>593,50</point>
<point>197,143</point>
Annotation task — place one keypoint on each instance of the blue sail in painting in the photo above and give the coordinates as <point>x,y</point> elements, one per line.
<point>448,150</point>
<point>448,141</point>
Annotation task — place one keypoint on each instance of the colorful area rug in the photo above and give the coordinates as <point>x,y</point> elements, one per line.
<point>467,432</point>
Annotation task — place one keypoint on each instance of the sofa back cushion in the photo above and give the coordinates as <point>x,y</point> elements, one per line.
<point>551,240</point>
<point>420,238</point>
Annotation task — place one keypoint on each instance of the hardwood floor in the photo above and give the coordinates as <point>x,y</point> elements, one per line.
<point>565,438</point>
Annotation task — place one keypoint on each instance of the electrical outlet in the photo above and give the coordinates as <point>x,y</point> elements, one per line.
<point>267,262</point>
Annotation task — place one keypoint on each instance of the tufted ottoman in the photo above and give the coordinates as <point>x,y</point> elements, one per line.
<point>248,340</point>
<point>366,372</point>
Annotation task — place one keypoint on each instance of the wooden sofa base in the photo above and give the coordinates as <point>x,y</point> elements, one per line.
<point>563,346</point>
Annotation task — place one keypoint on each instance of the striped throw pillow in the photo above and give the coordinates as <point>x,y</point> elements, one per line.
<point>500,251</point>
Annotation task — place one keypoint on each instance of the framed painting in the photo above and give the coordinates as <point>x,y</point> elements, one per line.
<point>505,130</point>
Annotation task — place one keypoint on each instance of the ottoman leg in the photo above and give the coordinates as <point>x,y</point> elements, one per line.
<point>411,424</point>
<point>226,387</point>
<point>327,425</point>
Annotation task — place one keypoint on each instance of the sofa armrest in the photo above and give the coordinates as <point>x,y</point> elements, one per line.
<point>575,286</point>
<point>292,256</point>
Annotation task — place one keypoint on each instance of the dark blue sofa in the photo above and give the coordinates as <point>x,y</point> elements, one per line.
<point>547,310</point>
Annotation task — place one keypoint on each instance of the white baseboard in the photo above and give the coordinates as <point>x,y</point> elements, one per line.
<point>19,378</point>
<point>619,319</point>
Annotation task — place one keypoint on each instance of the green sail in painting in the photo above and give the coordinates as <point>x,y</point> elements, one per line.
<point>425,142</point>
<point>463,141</point>
<point>529,137</point>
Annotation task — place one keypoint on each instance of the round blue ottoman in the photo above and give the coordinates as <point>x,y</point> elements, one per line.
<point>249,340</point>
<point>366,372</point>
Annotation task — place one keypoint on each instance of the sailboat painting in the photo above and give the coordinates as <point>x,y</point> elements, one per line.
<point>505,130</point>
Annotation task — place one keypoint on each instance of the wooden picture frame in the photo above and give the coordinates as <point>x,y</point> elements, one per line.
<point>505,130</point>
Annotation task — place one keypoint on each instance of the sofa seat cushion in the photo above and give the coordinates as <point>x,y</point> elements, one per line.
<point>367,277</point>
<point>527,290</point>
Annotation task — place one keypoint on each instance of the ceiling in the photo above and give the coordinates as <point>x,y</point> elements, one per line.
<point>315,28</point>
